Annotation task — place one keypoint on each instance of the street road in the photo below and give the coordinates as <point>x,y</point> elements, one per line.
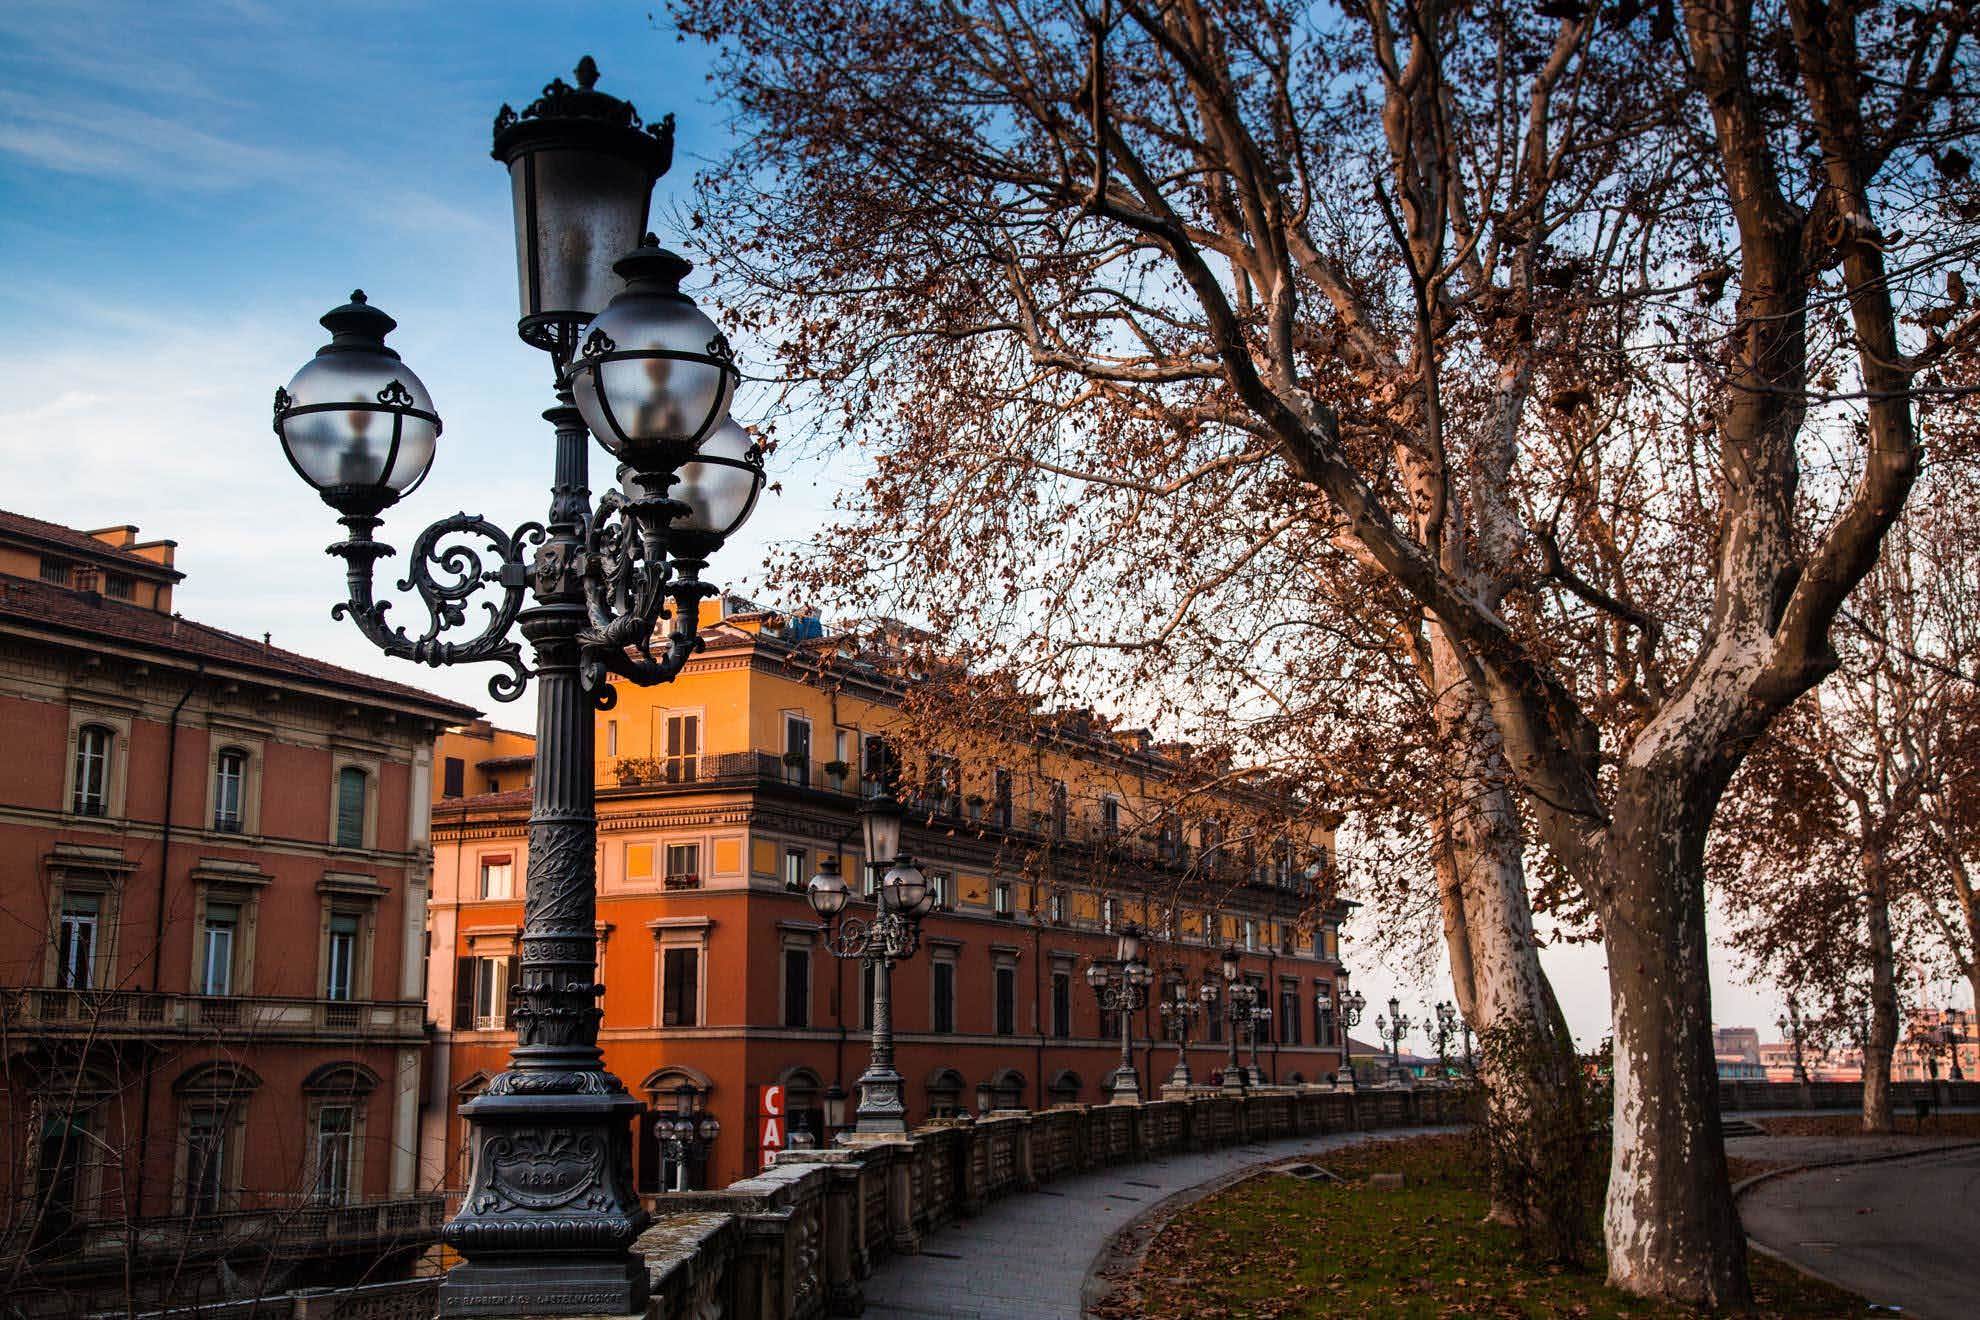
<point>1903,1232</point>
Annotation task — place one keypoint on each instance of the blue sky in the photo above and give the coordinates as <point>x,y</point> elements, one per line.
<point>188,187</point>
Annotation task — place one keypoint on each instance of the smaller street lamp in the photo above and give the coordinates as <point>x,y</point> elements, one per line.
<point>891,935</point>
<point>1949,1028</point>
<point>1241,1001</point>
<point>1790,1025</point>
<point>1178,1010</point>
<point>1443,1026</point>
<point>1261,1022</point>
<point>1392,1029</point>
<point>1121,985</point>
<point>687,1132</point>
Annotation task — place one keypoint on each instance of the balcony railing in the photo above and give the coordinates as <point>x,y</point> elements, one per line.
<point>98,1012</point>
<point>289,1230</point>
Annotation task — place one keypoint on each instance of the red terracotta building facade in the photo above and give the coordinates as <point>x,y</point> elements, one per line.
<point>213,863</point>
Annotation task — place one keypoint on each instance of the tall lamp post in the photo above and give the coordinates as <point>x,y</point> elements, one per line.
<point>891,935</point>
<point>1178,1010</point>
<point>1121,985</point>
<point>1949,1025</point>
<point>1443,1028</point>
<point>1393,1028</point>
<point>1349,1011</point>
<point>687,1132</point>
<point>1261,1022</point>
<point>1790,1025</point>
<point>550,1213</point>
<point>1240,1002</point>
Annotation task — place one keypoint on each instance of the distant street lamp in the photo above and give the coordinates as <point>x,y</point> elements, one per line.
<point>1392,1030</point>
<point>687,1132</point>
<point>1121,985</point>
<point>1442,1027</point>
<point>1790,1025</point>
<point>1470,1068</point>
<point>1240,1003</point>
<point>1351,1007</point>
<point>1261,1022</point>
<point>551,1213</point>
<point>1949,1025</point>
<point>1178,1010</point>
<point>891,935</point>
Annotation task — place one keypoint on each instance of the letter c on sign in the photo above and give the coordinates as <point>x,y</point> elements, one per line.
<point>773,1101</point>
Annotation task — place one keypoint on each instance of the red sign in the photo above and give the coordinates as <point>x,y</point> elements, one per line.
<point>770,1129</point>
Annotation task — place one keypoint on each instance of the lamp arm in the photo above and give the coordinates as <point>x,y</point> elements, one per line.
<point>451,562</point>
<point>628,584</point>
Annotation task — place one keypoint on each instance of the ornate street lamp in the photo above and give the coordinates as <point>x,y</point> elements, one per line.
<point>1790,1025</point>
<point>1261,1022</point>
<point>1443,1026</point>
<point>551,1213</point>
<point>891,935</point>
<point>1178,1010</point>
<point>1948,1023</point>
<point>687,1132</point>
<point>1121,985</point>
<point>1350,1010</point>
<point>1392,1030</point>
<point>1240,1003</point>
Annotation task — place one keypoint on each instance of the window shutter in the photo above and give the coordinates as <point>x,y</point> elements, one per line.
<point>464,994</point>
<point>509,1005</point>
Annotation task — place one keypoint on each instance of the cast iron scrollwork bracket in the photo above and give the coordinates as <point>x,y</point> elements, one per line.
<point>886,937</point>
<point>629,589</point>
<point>447,574</point>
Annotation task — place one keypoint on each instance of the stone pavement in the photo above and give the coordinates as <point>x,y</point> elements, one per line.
<point>1901,1232</point>
<point>1027,1257</point>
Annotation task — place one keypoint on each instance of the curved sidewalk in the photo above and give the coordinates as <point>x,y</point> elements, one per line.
<point>1027,1257</point>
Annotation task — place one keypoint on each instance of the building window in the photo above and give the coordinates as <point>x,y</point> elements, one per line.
<point>683,866</point>
<point>340,973</point>
<point>943,1019</point>
<point>682,763</point>
<point>945,785</point>
<point>1061,809</point>
<point>1110,817</point>
<point>797,987</point>
<point>498,876</point>
<point>1062,1025</point>
<point>217,943</point>
<point>1055,908</point>
<point>680,987</point>
<point>943,886</point>
<point>490,979</point>
<point>1108,912</point>
<point>453,777</point>
<point>794,877</point>
<point>1250,934</point>
<point>611,737</point>
<point>206,1161</point>
<point>1213,1014</point>
<point>118,586</point>
<point>350,807</point>
<point>1000,798</point>
<point>1006,996</point>
<point>92,791</point>
<point>1288,1016</point>
<point>229,785</point>
<point>335,1126</point>
<point>1000,898</point>
<point>75,966</point>
<point>797,750</point>
<point>54,571</point>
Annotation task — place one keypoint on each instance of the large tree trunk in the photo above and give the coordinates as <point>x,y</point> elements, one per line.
<point>1969,909</point>
<point>1882,1042</point>
<point>1671,1227</point>
<point>1502,990</point>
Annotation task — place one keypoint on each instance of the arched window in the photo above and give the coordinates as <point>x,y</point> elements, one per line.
<point>350,807</point>
<point>945,1088</point>
<point>92,790</point>
<point>1007,1090</point>
<point>213,1100</point>
<point>803,1110</point>
<point>230,790</point>
<point>1064,1088</point>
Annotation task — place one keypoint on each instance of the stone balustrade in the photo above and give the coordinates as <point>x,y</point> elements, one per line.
<point>796,1240</point>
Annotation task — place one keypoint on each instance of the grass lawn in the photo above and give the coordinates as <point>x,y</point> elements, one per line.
<point>1276,1246</point>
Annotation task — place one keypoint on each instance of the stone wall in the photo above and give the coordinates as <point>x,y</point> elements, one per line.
<point>796,1241</point>
<point>1734,1096</point>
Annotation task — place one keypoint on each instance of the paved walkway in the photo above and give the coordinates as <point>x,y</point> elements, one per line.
<point>1901,1232</point>
<point>1026,1257</point>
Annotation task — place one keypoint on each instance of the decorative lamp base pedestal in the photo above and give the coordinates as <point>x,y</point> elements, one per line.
<point>1124,1087</point>
<point>552,1201</point>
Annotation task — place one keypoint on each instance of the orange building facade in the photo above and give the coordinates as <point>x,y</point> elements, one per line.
<point>214,857</point>
<point>718,796</point>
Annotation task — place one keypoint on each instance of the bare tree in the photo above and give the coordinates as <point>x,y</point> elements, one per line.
<point>1144,305</point>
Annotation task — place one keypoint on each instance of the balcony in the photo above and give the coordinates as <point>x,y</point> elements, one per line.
<point>101,1014</point>
<point>282,1231</point>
